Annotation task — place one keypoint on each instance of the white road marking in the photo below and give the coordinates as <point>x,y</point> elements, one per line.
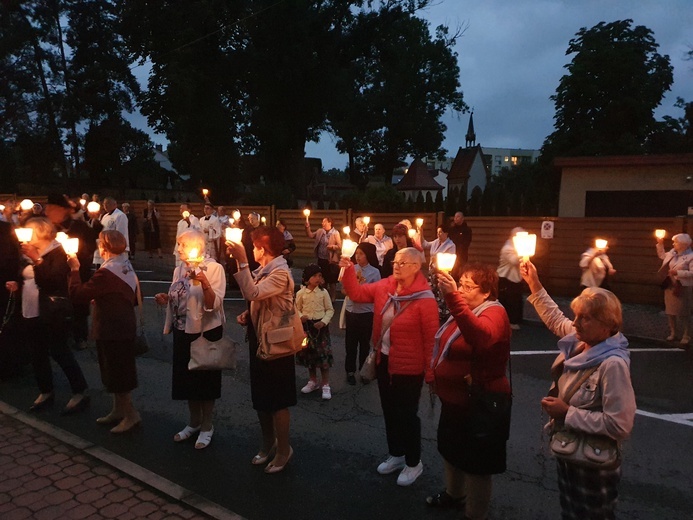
<point>679,418</point>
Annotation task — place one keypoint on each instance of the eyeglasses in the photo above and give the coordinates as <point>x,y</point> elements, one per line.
<point>468,288</point>
<point>401,264</point>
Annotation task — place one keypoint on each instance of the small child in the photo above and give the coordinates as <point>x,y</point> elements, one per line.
<point>314,306</point>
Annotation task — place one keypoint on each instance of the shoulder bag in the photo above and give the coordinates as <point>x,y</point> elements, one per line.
<point>282,332</point>
<point>212,355</point>
<point>588,450</point>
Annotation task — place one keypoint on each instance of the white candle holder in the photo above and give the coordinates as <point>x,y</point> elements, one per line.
<point>233,235</point>
<point>71,246</point>
<point>525,244</point>
<point>24,234</point>
<point>600,243</point>
<point>660,233</point>
<point>445,261</point>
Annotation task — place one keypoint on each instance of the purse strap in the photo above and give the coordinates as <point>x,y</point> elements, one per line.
<point>387,323</point>
<point>577,384</point>
<point>139,301</point>
<point>9,311</point>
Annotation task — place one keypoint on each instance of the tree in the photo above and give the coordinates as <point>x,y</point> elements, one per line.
<point>397,84</point>
<point>605,104</point>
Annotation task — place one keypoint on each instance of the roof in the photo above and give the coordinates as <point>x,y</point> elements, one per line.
<point>623,160</point>
<point>418,178</point>
<point>464,160</point>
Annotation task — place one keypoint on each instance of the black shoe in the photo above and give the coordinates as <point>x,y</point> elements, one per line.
<point>351,379</point>
<point>43,404</point>
<point>79,407</point>
<point>444,501</point>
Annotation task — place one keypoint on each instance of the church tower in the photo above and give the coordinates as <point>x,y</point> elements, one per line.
<point>470,138</point>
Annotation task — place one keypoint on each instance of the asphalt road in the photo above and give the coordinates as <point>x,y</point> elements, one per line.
<point>339,443</point>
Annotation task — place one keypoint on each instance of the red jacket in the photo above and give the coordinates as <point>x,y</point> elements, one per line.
<point>482,350</point>
<point>412,332</point>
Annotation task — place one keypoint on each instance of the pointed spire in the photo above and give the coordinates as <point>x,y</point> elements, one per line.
<point>470,138</point>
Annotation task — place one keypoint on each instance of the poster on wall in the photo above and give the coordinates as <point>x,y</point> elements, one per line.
<point>547,229</point>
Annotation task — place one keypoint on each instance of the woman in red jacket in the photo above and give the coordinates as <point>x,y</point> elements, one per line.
<point>471,352</point>
<point>404,325</point>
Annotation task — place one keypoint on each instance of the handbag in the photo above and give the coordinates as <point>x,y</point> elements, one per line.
<point>283,335</point>
<point>281,331</point>
<point>489,415</point>
<point>55,311</point>
<point>588,450</point>
<point>212,355</point>
<point>367,371</point>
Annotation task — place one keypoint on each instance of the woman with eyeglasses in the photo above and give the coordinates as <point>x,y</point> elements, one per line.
<point>405,318</point>
<point>472,349</point>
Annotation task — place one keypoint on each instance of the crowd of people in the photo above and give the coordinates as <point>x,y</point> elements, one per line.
<point>450,330</point>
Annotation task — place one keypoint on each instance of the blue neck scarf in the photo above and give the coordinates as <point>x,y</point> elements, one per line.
<point>396,300</point>
<point>616,345</point>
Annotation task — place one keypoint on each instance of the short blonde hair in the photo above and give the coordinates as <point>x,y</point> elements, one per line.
<point>412,254</point>
<point>194,239</point>
<point>43,228</point>
<point>602,305</point>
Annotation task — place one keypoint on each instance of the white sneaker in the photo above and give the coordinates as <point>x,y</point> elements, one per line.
<point>409,475</point>
<point>326,392</point>
<point>310,386</point>
<point>391,465</point>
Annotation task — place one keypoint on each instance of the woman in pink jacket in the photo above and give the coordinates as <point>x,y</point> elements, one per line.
<point>404,325</point>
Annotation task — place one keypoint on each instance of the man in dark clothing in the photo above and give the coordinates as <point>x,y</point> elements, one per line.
<point>59,212</point>
<point>461,235</point>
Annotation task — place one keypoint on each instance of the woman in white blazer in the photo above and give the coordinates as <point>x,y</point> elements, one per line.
<point>194,307</point>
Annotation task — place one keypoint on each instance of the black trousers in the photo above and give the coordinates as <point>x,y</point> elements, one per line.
<point>399,398</point>
<point>359,327</point>
<point>45,343</point>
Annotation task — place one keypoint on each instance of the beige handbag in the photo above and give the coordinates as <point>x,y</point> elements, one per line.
<point>212,355</point>
<point>283,335</point>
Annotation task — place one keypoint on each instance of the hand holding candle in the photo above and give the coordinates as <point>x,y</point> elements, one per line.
<point>346,230</point>
<point>71,246</point>
<point>600,243</point>
<point>234,235</point>
<point>525,244</point>
<point>348,250</point>
<point>236,215</point>
<point>205,192</point>
<point>366,220</point>
<point>93,207</point>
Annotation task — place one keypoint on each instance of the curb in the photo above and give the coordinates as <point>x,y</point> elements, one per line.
<point>135,471</point>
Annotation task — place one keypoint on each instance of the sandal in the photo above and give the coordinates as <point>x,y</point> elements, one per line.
<point>204,439</point>
<point>444,501</point>
<point>185,433</point>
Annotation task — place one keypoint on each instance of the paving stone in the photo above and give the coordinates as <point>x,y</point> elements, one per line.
<point>55,458</point>
<point>53,512</point>
<point>9,485</point>
<point>59,497</point>
<point>18,514</point>
<point>144,509</point>
<point>57,476</point>
<point>113,510</point>
<point>97,482</point>
<point>119,495</point>
<point>67,482</point>
<point>26,499</point>
<point>81,512</point>
<point>28,459</point>
<point>39,447</point>
<point>18,471</point>
<point>172,508</point>
<point>89,496</point>
<point>157,515</point>
<point>48,469</point>
<point>42,483</point>
<point>123,482</point>
<point>76,469</point>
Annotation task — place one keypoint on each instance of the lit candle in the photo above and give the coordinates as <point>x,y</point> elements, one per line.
<point>232,221</point>
<point>82,202</point>
<point>93,207</point>
<point>263,220</point>
<point>24,234</point>
<point>445,261</point>
<point>234,235</point>
<point>236,214</point>
<point>306,212</point>
<point>193,254</point>
<point>205,192</point>
<point>366,220</point>
<point>412,233</point>
<point>348,250</point>
<point>525,244</point>
<point>71,245</point>
<point>600,243</point>
<point>660,233</point>
<point>61,236</point>
<point>26,205</point>
<point>419,222</point>
<point>2,207</point>
<point>346,230</point>
<point>186,214</point>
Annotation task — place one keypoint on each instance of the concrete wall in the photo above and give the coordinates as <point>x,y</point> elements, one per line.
<point>642,173</point>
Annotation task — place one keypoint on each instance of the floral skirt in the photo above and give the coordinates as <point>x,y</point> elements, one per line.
<point>318,353</point>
